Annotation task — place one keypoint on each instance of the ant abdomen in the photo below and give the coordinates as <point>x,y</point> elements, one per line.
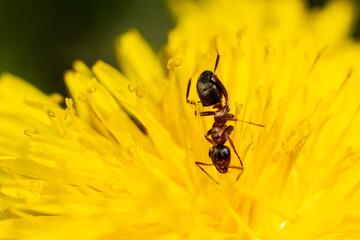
<point>209,92</point>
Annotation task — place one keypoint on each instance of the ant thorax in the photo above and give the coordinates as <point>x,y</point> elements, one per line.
<point>217,135</point>
<point>220,113</point>
<point>221,116</point>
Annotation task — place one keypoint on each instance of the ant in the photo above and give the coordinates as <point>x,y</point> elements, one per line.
<point>211,91</point>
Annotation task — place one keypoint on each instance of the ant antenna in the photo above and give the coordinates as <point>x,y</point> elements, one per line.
<point>206,164</point>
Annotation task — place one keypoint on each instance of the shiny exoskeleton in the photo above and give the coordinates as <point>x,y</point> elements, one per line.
<point>210,91</point>
<point>209,88</point>
<point>220,156</point>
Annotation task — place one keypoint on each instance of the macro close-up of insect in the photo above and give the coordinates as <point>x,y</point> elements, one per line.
<point>191,119</point>
<point>211,91</point>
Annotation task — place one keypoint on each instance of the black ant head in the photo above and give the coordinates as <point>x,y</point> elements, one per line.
<point>209,92</point>
<point>220,156</point>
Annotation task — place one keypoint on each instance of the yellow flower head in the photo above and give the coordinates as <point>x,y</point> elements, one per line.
<point>117,159</point>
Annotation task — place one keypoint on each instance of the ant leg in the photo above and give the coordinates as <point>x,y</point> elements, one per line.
<point>232,145</point>
<point>219,83</point>
<point>187,93</point>
<point>207,113</point>
<point>231,117</point>
<point>206,164</point>
<point>217,80</point>
<point>223,90</point>
<point>252,123</point>
<point>217,54</point>
<point>227,117</point>
<point>241,171</point>
<point>222,87</point>
<point>210,140</point>
<point>217,61</point>
<point>228,131</point>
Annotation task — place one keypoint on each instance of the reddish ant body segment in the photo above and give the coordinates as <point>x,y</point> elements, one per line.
<point>210,91</point>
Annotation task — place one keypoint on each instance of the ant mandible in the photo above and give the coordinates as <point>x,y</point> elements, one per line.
<point>210,91</point>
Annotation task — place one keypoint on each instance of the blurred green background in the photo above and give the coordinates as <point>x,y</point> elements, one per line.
<point>40,39</point>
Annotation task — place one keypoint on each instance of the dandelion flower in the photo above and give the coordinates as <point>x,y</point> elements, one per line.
<point>117,161</point>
